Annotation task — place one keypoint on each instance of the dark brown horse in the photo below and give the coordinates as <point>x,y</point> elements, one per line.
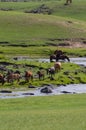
<point>28,76</point>
<point>57,58</point>
<point>62,57</point>
<point>41,74</point>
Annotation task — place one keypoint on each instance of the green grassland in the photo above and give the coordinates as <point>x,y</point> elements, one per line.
<point>18,27</point>
<point>62,112</point>
<point>37,35</point>
<point>22,30</point>
<point>26,34</point>
<point>7,52</point>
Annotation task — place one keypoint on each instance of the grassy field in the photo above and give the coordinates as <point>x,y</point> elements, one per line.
<point>36,35</point>
<point>62,112</point>
<point>20,30</point>
<point>26,28</point>
<point>40,51</point>
<point>18,27</point>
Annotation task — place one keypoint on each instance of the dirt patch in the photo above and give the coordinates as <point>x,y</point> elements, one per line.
<point>75,44</point>
<point>68,42</point>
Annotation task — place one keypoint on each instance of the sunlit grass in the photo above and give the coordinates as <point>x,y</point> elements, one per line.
<point>40,51</point>
<point>20,27</point>
<point>50,112</point>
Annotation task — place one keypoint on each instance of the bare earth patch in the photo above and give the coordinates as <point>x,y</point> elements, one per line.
<point>73,43</point>
<point>76,45</point>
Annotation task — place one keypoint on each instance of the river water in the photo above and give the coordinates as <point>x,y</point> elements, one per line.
<point>80,61</point>
<point>69,89</point>
<point>57,90</point>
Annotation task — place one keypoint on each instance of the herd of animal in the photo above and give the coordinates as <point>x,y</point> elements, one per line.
<point>11,76</point>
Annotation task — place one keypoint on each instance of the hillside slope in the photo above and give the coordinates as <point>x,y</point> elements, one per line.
<point>18,27</point>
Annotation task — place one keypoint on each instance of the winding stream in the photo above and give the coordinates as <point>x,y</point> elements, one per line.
<point>72,88</point>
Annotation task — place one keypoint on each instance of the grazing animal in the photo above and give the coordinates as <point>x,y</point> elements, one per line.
<point>13,76</point>
<point>51,72</point>
<point>41,74</point>
<point>57,58</point>
<point>2,80</point>
<point>28,76</point>
<point>62,57</point>
<point>57,66</point>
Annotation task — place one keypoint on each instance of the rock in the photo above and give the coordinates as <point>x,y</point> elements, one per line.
<point>28,94</point>
<point>65,92</point>
<point>31,86</point>
<point>5,91</point>
<point>46,90</point>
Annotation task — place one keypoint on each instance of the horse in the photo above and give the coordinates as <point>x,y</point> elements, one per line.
<point>57,58</point>
<point>62,57</point>
<point>41,74</point>
<point>51,72</point>
<point>28,76</point>
<point>57,66</point>
<point>2,79</point>
<point>13,76</point>
<point>56,53</point>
